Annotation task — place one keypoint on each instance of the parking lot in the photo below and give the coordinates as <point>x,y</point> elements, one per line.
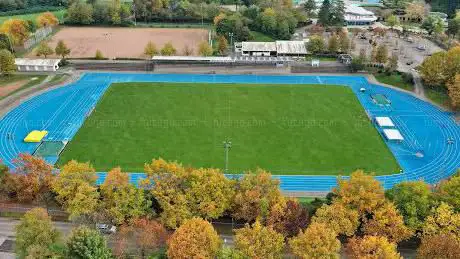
<point>411,50</point>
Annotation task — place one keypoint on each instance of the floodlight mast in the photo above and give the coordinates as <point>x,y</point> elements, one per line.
<point>227,146</point>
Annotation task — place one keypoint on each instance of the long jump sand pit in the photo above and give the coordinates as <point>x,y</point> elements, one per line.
<point>124,42</point>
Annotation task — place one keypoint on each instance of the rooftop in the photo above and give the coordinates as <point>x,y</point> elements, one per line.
<point>290,47</point>
<point>36,62</point>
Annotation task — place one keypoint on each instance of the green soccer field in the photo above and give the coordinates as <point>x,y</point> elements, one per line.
<point>286,129</point>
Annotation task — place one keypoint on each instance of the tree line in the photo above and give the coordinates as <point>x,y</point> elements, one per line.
<point>171,209</point>
<point>442,71</point>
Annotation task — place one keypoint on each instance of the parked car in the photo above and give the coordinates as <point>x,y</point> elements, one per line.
<point>410,62</point>
<point>106,228</point>
<point>421,47</point>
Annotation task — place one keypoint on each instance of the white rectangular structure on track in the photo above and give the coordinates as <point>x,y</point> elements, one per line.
<point>393,134</point>
<point>384,122</point>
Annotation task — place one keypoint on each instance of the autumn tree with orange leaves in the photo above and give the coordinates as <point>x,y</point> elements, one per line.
<point>288,217</point>
<point>31,180</point>
<point>147,235</point>
<point>47,19</point>
<point>196,238</point>
<point>16,29</point>
<point>371,247</point>
<point>255,194</point>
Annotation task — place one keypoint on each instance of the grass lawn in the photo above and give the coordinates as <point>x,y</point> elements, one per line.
<point>59,78</point>
<point>33,16</point>
<point>394,79</point>
<point>286,129</point>
<point>320,58</point>
<point>438,96</point>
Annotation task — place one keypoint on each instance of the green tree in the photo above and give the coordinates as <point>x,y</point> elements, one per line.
<point>382,54</point>
<point>433,24</point>
<point>204,49</point>
<point>392,21</point>
<point>259,241</point>
<point>309,7</point>
<point>196,238</point>
<point>35,232</point>
<point>413,200</point>
<point>318,241</point>
<point>168,50</point>
<point>449,190</point>
<point>7,65</point>
<point>87,243</point>
<point>434,69</point>
<point>114,11</point>
<point>150,49</point>
<point>62,49</point>
<point>44,49</point>
<point>324,14</point>
<point>316,44</point>
<point>80,13</point>
<point>338,12</point>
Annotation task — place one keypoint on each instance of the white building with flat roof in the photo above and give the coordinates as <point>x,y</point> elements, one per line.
<point>358,16</point>
<point>276,48</point>
<point>37,65</point>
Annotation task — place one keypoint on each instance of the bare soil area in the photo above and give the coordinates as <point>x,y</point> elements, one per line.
<point>7,89</point>
<point>124,42</point>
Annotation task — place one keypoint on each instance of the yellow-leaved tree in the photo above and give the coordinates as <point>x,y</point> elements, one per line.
<point>339,218</point>
<point>196,238</point>
<point>317,241</point>
<point>371,247</point>
<point>76,190</point>
<point>259,242</point>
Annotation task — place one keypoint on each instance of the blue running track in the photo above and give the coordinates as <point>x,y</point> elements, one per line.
<point>424,154</point>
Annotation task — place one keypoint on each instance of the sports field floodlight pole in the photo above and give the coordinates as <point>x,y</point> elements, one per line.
<point>227,146</point>
<point>230,34</point>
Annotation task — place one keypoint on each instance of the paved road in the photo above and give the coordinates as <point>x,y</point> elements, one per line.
<point>7,234</point>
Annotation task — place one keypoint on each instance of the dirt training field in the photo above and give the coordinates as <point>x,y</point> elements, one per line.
<point>124,42</point>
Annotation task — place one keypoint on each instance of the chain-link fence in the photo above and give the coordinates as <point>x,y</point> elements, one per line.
<point>38,36</point>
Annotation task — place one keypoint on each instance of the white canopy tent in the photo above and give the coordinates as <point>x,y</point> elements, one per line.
<point>384,122</point>
<point>393,134</point>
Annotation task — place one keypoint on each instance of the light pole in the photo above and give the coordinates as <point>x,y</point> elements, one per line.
<point>227,146</point>
<point>230,34</point>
